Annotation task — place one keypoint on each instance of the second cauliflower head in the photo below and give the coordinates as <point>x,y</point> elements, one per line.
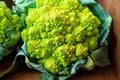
<point>9,29</point>
<point>59,34</point>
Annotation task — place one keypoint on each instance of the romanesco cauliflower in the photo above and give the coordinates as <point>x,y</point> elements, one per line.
<point>60,32</point>
<point>9,28</point>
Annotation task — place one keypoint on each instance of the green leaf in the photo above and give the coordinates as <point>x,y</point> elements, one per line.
<point>87,2</point>
<point>65,71</point>
<point>64,77</point>
<point>17,10</point>
<point>89,65</point>
<point>35,66</point>
<point>31,5</point>
<point>23,47</point>
<point>2,52</point>
<point>78,64</point>
<point>104,30</point>
<point>100,57</point>
<point>22,6</point>
<point>47,76</point>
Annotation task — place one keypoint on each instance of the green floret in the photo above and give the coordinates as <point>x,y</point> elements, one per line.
<point>34,48</point>
<point>65,54</point>
<point>81,50</point>
<point>9,27</point>
<point>92,41</point>
<point>60,32</point>
<point>52,65</point>
<point>87,19</point>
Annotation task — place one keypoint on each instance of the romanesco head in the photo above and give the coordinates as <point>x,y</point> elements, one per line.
<point>9,27</point>
<point>60,33</point>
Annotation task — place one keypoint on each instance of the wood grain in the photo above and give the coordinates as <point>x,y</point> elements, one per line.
<point>107,73</point>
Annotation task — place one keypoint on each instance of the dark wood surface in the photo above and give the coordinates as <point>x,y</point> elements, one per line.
<point>107,73</point>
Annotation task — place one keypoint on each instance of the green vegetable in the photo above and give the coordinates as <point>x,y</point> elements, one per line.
<point>9,29</point>
<point>60,35</point>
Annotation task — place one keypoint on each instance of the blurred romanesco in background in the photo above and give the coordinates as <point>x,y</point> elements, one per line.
<point>9,29</point>
<point>60,32</point>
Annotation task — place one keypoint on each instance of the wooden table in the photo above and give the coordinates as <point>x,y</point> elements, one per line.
<point>107,73</point>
